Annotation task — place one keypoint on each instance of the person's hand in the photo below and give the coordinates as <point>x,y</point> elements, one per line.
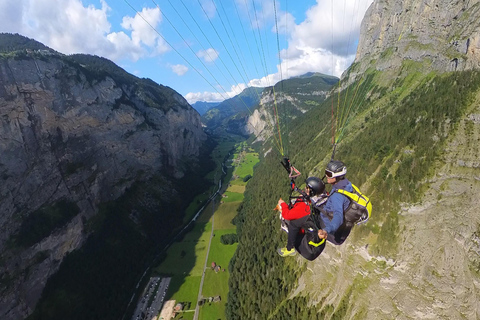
<point>322,234</point>
<point>280,201</point>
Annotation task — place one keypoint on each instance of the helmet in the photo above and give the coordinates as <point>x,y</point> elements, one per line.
<point>335,169</point>
<point>316,186</point>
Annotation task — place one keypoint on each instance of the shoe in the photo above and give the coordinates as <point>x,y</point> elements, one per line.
<point>283,252</point>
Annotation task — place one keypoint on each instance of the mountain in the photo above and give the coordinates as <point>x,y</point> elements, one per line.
<point>237,107</point>
<point>203,106</point>
<point>93,167</point>
<point>411,144</point>
<point>248,112</point>
<point>283,103</point>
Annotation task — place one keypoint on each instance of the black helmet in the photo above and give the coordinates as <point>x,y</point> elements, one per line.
<point>335,169</point>
<point>316,186</point>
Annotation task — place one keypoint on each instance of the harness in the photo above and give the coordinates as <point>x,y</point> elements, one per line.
<point>313,228</point>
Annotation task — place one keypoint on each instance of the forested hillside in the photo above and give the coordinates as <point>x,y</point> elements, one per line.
<point>391,148</point>
<point>292,97</point>
<point>236,107</point>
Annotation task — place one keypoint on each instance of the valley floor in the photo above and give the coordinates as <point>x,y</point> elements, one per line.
<point>198,262</point>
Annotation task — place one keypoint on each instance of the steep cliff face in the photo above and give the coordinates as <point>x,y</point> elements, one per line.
<point>291,98</point>
<point>73,134</point>
<point>443,35</point>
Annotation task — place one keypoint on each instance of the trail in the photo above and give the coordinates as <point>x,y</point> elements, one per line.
<point>197,307</point>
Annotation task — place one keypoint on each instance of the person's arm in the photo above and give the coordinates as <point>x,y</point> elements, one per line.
<point>335,205</point>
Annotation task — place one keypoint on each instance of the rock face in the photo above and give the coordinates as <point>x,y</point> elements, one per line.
<point>435,273</point>
<point>444,34</point>
<point>68,133</point>
<point>290,98</point>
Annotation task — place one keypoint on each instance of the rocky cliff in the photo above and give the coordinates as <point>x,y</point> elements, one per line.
<point>442,35</point>
<point>289,99</point>
<point>76,135</point>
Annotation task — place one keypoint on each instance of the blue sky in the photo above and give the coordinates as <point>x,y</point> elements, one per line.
<point>207,50</point>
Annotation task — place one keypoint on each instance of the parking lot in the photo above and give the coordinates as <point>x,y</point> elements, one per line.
<point>150,303</point>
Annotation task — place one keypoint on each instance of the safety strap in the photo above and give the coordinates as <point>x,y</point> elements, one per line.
<point>316,244</point>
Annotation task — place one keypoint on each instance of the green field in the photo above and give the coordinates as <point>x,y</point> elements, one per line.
<point>216,283</point>
<point>194,206</point>
<point>182,257</point>
<point>232,197</point>
<point>218,155</point>
<point>246,165</point>
<point>236,188</point>
<point>238,182</point>
<point>224,215</point>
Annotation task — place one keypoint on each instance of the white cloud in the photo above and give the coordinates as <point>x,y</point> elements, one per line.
<point>285,22</point>
<point>70,27</point>
<point>218,96</point>
<point>193,97</point>
<point>179,69</point>
<point>209,55</point>
<point>334,30</point>
<point>237,89</point>
<point>141,26</point>
<point>123,47</point>
<point>11,18</point>
<point>321,43</point>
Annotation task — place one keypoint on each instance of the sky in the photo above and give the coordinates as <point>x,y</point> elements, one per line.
<point>207,50</point>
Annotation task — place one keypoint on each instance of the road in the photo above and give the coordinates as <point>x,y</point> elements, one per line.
<point>197,308</point>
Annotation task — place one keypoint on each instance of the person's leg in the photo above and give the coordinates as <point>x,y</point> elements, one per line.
<point>332,239</point>
<point>294,227</point>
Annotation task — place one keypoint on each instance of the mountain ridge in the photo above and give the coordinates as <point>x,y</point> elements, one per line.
<point>78,132</point>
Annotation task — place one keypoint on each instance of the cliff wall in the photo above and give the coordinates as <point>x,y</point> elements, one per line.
<point>70,133</point>
<point>445,35</point>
